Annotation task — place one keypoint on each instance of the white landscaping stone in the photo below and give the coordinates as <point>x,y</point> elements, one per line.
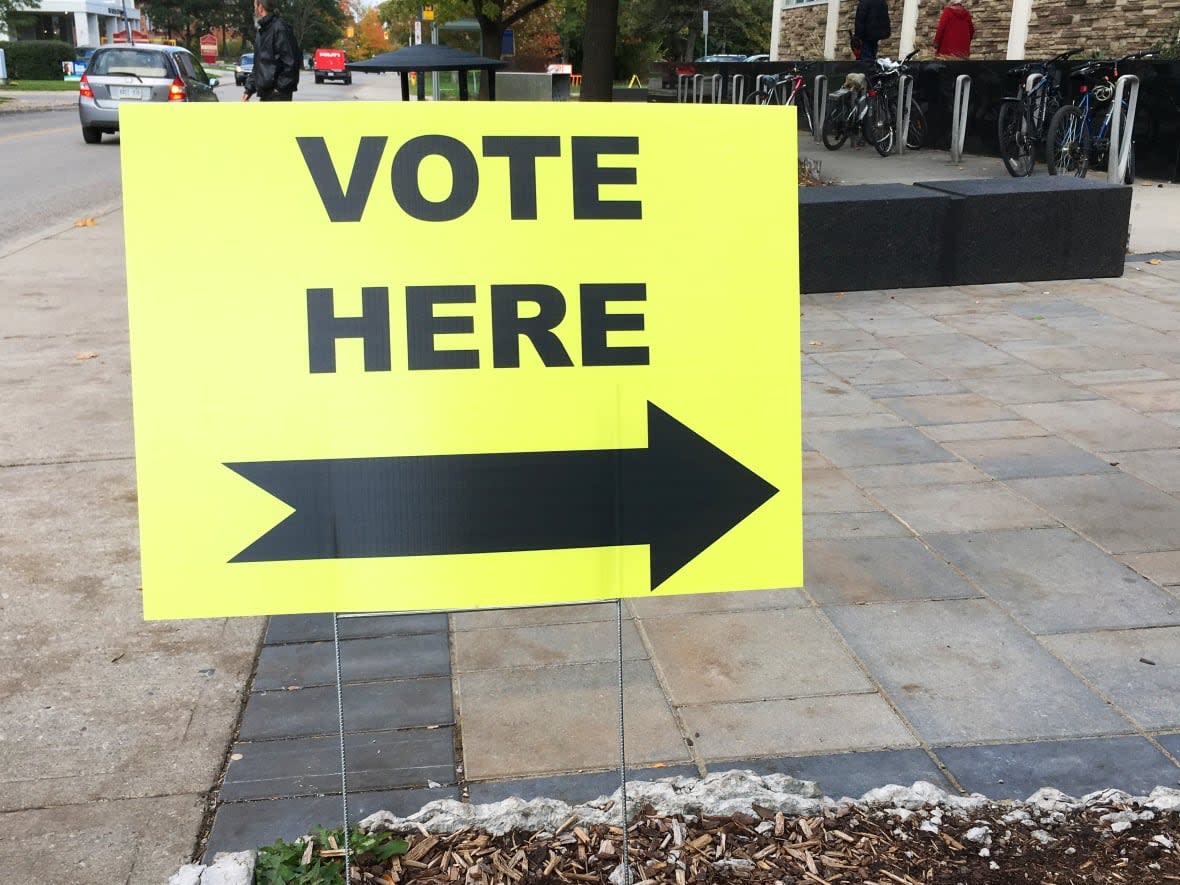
<point>978,834</point>
<point>230,868</point>
<point>189,874</point>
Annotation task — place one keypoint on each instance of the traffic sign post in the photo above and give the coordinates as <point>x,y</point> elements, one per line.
<point>486,356</point>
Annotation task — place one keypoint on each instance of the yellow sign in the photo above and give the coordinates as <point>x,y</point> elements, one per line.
<point>427,13</point>
<point>443,356</point>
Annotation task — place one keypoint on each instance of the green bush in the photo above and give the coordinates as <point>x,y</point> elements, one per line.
<point>36,59</point>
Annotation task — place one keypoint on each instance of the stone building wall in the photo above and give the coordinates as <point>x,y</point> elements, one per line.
<point>1103,27</point>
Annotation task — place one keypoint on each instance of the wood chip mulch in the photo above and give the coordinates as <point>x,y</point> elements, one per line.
<point>847,844</point>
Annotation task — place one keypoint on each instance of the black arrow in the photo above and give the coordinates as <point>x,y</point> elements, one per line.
<point>679,495</point>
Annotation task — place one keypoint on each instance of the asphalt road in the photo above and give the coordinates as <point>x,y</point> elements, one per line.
<point>50,178</point>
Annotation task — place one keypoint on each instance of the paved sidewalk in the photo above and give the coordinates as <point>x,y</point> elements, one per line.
<point>38,101</point>
<point>992,595</point>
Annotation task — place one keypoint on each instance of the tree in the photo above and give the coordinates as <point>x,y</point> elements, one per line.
<point>598,71</point>
<point>10,13</point>
<point>368,37</point>
<point>493,16</point>
<point>315,22</point>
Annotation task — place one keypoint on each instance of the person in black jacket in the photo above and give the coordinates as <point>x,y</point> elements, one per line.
<point>872,26</point>
<point>277,57</point>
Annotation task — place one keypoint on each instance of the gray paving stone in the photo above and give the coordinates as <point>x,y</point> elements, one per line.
<point>838,336</point>
<point>997,327</point>
<point>959,356</point>
<point>1016,771</point>
<point>1114,376</point>
<point>950,408</point>
<point>1028,457</point>
<point>1163,568</point>
<point>1040,388</point>
<point>539,721</point>
<point>736,656</point>
<point>898,324</point>
<point>913,388</point>
<point>851,572</point>
<point>1113,662</point>
<point>575,613</point>
<point>839,423</point>
<point>849,774</point>
<point>1118,512</point>
<point>747,600</point>
<point>370,706</point>
<point>361,660</point>
<point>969,507</point>
<point>380,760</point>
<point>941,473</point>
<point>1017,429</point>
<point>868,448</point>
<point>1171,743</point>
<point>825,398</point>
<point>829,491</point>
<point>543,646</point>
<point>318,628</point>
<point>1053,581</point>
<point>1102,425</point>
<point>571,788</point>
<point>1146,396</point>
<point>239,826</point>
<point>1065,356</point>
<point>875,367</point>
<point>1055,308</point>
<point>959,670</point>
<point>1160,468</point>
<point>790,726</point>
<point>877,524</point>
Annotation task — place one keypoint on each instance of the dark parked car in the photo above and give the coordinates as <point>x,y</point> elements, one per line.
<point>139,72</point>
<point>243,68</point>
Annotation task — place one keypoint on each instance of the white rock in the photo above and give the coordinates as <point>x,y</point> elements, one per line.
<point>1042,837</point>
<point>1163,840</point>
<point>1120,826</point>
<point>928,826</point>
<point>189,874</point>
<point>230,868</point>
<point>985,852</point>
<point>1049,799</point>
<point>1164,799</point>
<point>992,865</point>
<point>978,834</point>
<point>734,863</point>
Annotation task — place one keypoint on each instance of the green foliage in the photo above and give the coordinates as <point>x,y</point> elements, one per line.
<point>36,59</point>
<point>281,863</point>
<point>1169,45</point>
<point>316,23</point>
<point>10,10</point>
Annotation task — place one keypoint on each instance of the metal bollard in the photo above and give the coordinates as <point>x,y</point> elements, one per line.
<point>905,94</point>
<point>1120,140</point>
<point>3,70</point>
<point>819,109</point>
<point>737,88</point>
<point>715,83</point>
<point>698,88</point>
<point>682,87</point>
<point>959,116</point>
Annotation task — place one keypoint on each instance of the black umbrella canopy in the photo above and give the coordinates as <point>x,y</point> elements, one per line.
<point>427,57</point>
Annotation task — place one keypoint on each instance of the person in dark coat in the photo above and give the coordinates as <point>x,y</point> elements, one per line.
<point>277,57</point>
<point>955,30</point>
<point>872,26</point>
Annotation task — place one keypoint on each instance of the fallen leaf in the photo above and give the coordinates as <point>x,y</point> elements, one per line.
<point>85,355</point>
<point>816,343</point>
<point>235,757</point>
<point>1153,261</point>
<point>85,222</point>
<point>839,294</point>
<point>659,765</point>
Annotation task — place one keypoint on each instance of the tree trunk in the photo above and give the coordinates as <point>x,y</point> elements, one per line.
<point>598,49</point>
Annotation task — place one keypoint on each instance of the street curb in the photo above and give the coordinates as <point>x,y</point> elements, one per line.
<point>16,106</point>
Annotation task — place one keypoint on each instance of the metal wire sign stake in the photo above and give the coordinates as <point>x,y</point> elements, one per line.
<point>343,765</point>
<point>622,749</point>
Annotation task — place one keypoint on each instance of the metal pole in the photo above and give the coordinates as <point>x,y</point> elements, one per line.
<point>434,93</point>
<point>905,94</point>
<point>682,87</point>
<point>715,88</point>
<point>820,106</point>
<point>959,118</point>
<point>343,761</point>
<point>698,88</point>
<point>1120,140</point>
<point>127,25</point>
<point>623,749</point>
<point>737,88</point>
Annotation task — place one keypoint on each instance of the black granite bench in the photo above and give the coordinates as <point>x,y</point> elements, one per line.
<point>946,233</point>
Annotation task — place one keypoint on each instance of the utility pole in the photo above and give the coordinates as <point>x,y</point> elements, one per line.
<point>598,49</point>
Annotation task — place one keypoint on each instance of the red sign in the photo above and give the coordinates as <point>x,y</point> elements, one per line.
<point>208,48</point>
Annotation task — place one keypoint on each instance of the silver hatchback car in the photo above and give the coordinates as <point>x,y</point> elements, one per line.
<point>136,73</point>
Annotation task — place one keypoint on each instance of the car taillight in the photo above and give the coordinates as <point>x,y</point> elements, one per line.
<point>176,91</point>
<point>1084,88</point>
<point>84,88</point>
<point>872,93</point>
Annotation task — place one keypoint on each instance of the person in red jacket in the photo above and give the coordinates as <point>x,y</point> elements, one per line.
<point>955,30</point>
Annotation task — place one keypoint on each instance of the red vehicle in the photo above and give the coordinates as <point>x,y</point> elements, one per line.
<point>329,65</point>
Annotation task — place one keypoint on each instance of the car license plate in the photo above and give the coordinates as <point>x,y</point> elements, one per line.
<point>133,93</point>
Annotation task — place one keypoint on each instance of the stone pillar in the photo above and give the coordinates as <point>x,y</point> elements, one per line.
<point>909,28</point>
<point>1018,29</point>
<point>832,32</point>
<point>82,34</point>
<point>776,29</point>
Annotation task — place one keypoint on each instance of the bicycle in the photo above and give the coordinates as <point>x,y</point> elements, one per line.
<point>1024,119</point>
<point>884,95</point>
<point>784,89</point>
<point>847,110</point>
<point>1077,141</point>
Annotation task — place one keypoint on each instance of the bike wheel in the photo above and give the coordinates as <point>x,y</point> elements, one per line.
<point>915,136</point>
<point>803,102</point>
<point>835,128</point>
<point>877,127</point>
<point>1067,150</point>
<point>760,96</point>
<point>1016,146</point>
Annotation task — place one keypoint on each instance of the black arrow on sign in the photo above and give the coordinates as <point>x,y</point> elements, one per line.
<point>678,495</point>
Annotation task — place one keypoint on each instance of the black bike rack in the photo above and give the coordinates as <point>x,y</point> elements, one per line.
<point>949,233</point>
